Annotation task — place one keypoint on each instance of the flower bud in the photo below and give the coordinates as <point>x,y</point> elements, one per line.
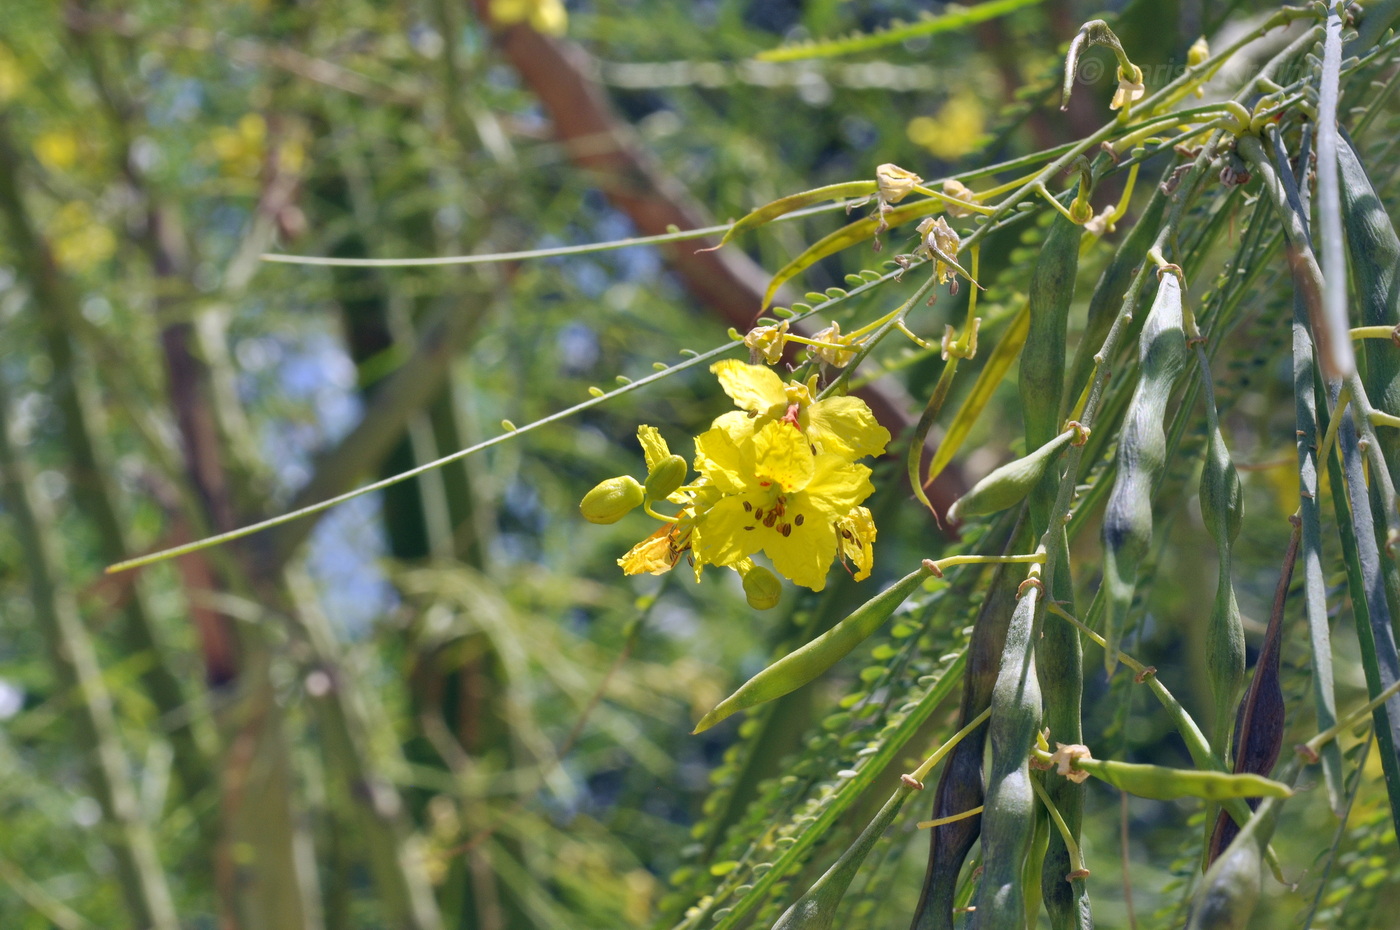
<point>612,500</point>
<point>668,475</point>
<point>1198,52</point>
<point>762,588</point>
<point>1081,211</point>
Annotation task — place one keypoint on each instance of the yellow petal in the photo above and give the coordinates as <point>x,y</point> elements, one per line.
<point>844,426</point>
<point>857,538</point>
<point>739,425</point>
<point>837,487</point>
<point>782,456</point>
<point>727,464</point>
<point>653,446</point>
<point>727,532</point>
<point>805,555</point>
<point>752,387</point>
<point>653,555</point>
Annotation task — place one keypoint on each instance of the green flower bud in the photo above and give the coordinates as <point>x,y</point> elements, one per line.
<point>668,475</point>
<point>612,500</point>
<point>762,588</point>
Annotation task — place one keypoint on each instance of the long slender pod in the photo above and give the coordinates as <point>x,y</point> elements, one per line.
<point>1309,512</point>
<point>1222,512</point>
<point>1380,660</point>
<point>1042,374</point>
<point>1058,657</point>
<point>1127,524</point>
<point>1009,819</point>
<point>1374,251</point>
<point>1230,889</point>
<point>960,785</point>
<point>1259,727</point>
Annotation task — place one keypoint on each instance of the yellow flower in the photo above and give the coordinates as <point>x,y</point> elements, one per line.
<point>780,498</point>
<point>938,236</point>
<point>895,183</point>
<point>857,540</point>
<point>842,426</point>
<point>767,342</point>
<point>1130,90</point>
<point>835,357</point>
<point>12,76</point>
<point>778,476</point>
<point>955,188</point>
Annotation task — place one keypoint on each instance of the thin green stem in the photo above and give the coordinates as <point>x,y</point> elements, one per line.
<point>1352,719</point>
<point>951,818</point>
<point>1075,857</point>
<point>528,254</point>
<point>922,771</point>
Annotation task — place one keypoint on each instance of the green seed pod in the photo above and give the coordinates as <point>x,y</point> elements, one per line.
<point>1259,727</point>
<point>1161,783</point>
<point>1375,262</point>
<point>762,589</point>
<point>1142,450</point>
<point>1354,188</point>
<point>1220,507</point>
<point>816,909</point>
<point>1042,376</point>
<point>1008,823</point>
<point>806,662</point>
<point>960,785</point>
<point>1060,660</point>
<point>668,475</point>
<point>1229,891</point>
<point>612,500</point>
<point>1058,655</point>
<point>1008,485</point>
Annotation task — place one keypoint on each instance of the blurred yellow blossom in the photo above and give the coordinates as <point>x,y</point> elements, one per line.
<point>57,149</point>
<point>12,76</point>
<point>79,240</point>
<point>546,16</point>
<point>239,149</point>
<point>954,131</point>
